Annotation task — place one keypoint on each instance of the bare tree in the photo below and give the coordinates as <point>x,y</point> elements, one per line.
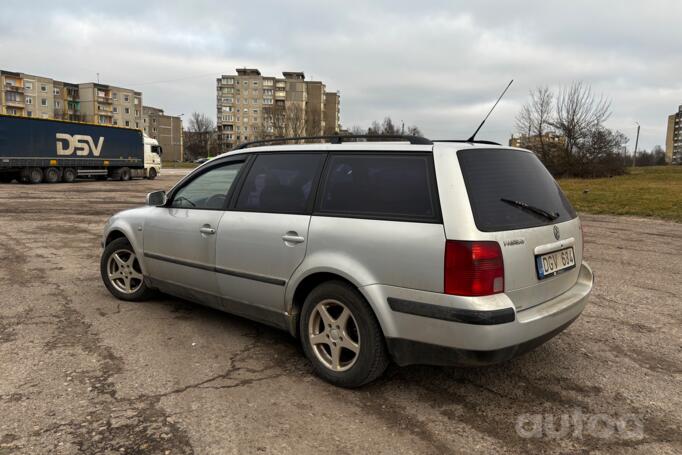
<point>578,113</point>
<point>535,120</point>
<point>199,136</point>
<point>413,130</point>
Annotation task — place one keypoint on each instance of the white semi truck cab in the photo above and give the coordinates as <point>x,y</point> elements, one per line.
<point>152,157</point>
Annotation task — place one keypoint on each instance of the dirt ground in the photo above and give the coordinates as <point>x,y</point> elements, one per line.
<point>81,372</point>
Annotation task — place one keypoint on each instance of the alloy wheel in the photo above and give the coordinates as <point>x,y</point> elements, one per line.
<point>124,272</point>
<point>333,335</point>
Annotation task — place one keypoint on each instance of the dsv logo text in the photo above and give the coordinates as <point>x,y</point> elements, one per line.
<point>80,144</point>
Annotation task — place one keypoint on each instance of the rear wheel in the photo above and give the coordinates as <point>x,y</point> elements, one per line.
<point>341,336</point>
<point>34,175</point>
<point>152,174</point>
<point>51,175</point>
<point>125,174</point>
<point>121,272</point>
<point>69,175</point>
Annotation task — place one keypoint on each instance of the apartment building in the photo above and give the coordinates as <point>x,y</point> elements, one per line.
<point>167,129</point>
<point>252,106</point>
<point>673,139</point>
<point>332,113</point>
<point>42,97</point>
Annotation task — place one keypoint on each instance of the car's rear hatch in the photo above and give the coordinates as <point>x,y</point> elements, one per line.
<point>516,201</point>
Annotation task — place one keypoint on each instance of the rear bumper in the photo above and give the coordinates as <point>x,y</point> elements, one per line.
<point>429,328</point>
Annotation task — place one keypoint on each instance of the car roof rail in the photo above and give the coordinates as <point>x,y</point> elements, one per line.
<point>340,138</point>
<point>466,141</point>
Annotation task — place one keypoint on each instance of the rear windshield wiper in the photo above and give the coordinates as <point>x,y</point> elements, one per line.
<point>531,208</point>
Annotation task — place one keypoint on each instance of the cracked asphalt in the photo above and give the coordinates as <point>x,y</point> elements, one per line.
<point>84,373</point>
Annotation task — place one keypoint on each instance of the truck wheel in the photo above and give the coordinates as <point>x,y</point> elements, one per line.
<point>121,272</point>
<point>51,175</point>
<point>152,174</point>
<point>35,175</point>
<point>341,336</point>
<point>125,174</point>
<point>69,175</point>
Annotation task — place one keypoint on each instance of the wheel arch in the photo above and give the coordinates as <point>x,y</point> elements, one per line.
<point>298,292</point>
<point>120,230</point>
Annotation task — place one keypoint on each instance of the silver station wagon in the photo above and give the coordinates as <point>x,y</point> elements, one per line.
<point>419,252</point>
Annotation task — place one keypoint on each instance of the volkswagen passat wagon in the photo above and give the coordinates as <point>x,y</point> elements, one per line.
<point>432,253</point>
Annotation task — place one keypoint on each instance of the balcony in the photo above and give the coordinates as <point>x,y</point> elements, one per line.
<point>15,103</point>
<point>14,88</point>
<point>104,99</point>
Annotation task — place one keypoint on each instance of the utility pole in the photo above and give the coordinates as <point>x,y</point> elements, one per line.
<point>634,153</point>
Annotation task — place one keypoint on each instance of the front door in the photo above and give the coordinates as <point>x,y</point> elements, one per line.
<point>180,239</point>
<point>263,238</point>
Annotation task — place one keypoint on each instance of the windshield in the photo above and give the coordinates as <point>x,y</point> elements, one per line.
<point>500,182</point>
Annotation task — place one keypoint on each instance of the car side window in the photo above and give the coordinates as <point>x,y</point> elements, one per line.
<point>382,186</point>
<point>209,190</point>
<point>280,183</point>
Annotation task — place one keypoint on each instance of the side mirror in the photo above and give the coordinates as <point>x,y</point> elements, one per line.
<point>156,198</point>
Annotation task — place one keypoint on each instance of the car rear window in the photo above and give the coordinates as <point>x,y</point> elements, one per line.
<point>492,175</point>
<point>381,186</point>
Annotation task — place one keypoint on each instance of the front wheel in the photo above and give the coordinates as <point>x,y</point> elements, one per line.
<point>152,174</point>
<point>121,272</point>
<point>341,336</point>
<point>125,174</point>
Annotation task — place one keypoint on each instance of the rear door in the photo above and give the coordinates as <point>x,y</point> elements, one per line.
<point>264,237</point>
<point>516,201</point>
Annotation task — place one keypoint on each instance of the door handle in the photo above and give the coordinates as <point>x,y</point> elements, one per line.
<point>293,237</point>
<point>207,230</point>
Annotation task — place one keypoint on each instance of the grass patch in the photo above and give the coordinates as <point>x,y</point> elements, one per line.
<point>654,191</point>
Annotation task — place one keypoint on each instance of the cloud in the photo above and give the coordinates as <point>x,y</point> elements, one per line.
<point>436,64</point>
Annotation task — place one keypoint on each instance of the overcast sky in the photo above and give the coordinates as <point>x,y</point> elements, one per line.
<point>437,64</point>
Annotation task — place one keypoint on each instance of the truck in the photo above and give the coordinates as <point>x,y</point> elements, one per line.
<point>35,150</point>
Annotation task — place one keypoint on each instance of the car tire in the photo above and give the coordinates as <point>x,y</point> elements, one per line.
<point>121,272</point>
<point>34,175</point>
<point>51,175</point>
<point>69,175</point>
<point>346,354</point>
<point>152,174</point>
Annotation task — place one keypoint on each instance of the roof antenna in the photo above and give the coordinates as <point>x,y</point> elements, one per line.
<point>473,136</point>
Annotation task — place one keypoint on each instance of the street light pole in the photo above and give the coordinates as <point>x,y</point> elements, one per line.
<point>634,154</point>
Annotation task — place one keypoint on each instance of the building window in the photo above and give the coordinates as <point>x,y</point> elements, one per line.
<point>115,122</point>
<point>268,83</point>
<point>56,91</point>
<point>29,100</point>
<point>127,110</point>
<point>126,98</point>
<point>127,123</point>
<point>137,101</point>
<point>57,105</point>
<point>255,83</point>
<point>137,113</point>
<point>246,82</point>
<point>267,100</point>
<point>43,88</point>
<point>115,95</point>
<point>43,102</point>
<point>137,124</point>
<point>29,113</point>
<point>28,86</point>
<point>115,110</point>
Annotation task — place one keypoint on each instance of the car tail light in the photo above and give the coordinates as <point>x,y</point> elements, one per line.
<point>473,268</point>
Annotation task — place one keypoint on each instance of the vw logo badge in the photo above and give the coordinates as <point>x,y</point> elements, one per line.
<point>557,234</point>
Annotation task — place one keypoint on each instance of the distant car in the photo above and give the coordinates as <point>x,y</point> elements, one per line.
<point>423,253</point>
<point>201,160</point>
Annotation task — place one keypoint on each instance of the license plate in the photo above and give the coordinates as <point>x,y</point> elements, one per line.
<point>552,263</point>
